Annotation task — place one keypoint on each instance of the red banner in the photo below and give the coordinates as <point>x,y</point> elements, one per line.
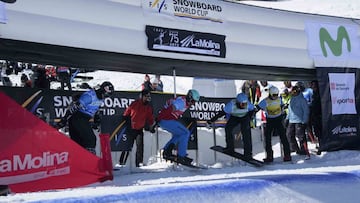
<point>34,156</point>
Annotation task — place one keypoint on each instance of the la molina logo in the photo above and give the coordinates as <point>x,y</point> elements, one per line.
<point>31,161</point>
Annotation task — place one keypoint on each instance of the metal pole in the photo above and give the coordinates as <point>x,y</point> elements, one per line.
<point>214,134</point>
<point>158,151</point>
<point>174,76</point>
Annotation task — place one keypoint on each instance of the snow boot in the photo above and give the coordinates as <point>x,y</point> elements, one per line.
<point>287,158</point>
<point>167,153</point>
<point>269,158</point>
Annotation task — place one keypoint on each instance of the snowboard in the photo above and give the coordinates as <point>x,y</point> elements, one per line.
<point>237,155</point>
<point>175,160</point>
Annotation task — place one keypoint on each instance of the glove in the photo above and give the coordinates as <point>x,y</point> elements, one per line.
<point>97,121</point>
<point>152,128</point>
<point>62,123</point>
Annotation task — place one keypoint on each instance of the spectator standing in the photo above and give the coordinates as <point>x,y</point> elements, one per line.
<point>251,89</point>
<point>140,114</point>
<point>241,111</point>
<point>287,85</point>
<point>264,88</point>
<point>40,78</point>
<point>147,84</point>
<point>25,81</point>
<point>168,120</point>
<point>273,107</point>
<point>160,85</point>
<point>64,76</point>
<point>286,97</point>
<point>315,110</point>
<point>298,118</point>
<point>157,84</point>
<point>307,93</point>
<point>81,111</point>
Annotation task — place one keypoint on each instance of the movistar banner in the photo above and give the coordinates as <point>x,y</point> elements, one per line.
<point>210,10</point>
<point>183,41</point>
<point>334,45</point>
<point>335,49</point>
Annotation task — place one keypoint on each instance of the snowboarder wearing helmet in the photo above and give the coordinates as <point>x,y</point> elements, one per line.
<point>241,111</point>
<point>81,111</point>
<point>273,107</point>
<point>168,120</point>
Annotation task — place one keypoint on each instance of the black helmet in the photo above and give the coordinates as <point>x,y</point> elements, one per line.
<point>106,89</point>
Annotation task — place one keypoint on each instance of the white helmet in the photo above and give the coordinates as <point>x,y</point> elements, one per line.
<point>273,90</point>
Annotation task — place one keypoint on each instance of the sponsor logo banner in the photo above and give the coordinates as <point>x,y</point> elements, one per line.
<point>182,41</point>
<point>344,131</point>
<point>209,10</point>
<point>51,106</point>
<point>31,158</point>
<point>333,45</point>
<point>342,86</point>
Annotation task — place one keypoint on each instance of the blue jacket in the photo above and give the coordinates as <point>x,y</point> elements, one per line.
<point>89,103</point>
<point>231,108</point>
<point>298,110</point>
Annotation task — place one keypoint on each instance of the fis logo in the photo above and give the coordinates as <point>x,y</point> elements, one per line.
<point>158,4</point>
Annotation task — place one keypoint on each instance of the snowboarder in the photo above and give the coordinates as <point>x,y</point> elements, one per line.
<point>81,111</point>
<point>273,107</point>
<point>241,111</point>
<point>168,120</point>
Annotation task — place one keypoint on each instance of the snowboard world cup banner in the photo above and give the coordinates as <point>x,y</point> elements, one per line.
<point>209,10</point>
<point>51,106</point>
<point>183,41</point>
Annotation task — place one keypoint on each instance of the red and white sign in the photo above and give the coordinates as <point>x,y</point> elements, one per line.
<point>342,91</point>
<point>34,156</point>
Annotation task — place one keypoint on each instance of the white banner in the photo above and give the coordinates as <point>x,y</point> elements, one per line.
<point>333,45</point>
<point>210,10</point>
<point>342,93</point>
<point>2,13</point>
